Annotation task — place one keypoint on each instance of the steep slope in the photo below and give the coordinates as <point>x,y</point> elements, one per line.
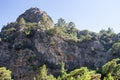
<point>26,45</point>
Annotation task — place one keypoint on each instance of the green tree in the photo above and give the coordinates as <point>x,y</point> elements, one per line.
<point>106,38</point>
<point>82,73</point>
<point>21,20</point>
<point>112,68</point>
<point>43,73</point>
<point>110,30</point>
<point>5,74</point>
<point>108,77</point>
<point>61,23</point>
<point>88,37</point>
<point>51,77</point>
<point>116,48</point>
<point>63,71</point>
<point>71,25</point>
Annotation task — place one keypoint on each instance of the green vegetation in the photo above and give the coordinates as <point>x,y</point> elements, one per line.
<point>78,74</point>
<point>21,21</point>
<point>60,44</point>
<point>5,74</point>
<point>64,30</point>
<point>9,30</point>
<point>63,71</point>
<point>44,75</point>
<point>109,71</point>
<point>108,77</point>
<point>46,22</point>
<point>61,23</point>
<point>106,38</point>
<point>115,49</point>
<point>69,31</point>
<point>29,29</point>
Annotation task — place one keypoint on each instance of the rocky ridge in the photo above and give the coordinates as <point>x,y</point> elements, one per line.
<point>24,47</point>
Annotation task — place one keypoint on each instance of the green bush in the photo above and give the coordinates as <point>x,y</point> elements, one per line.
<point>44,75</point>
<point>108,77</point>
<point>106,38</point>
<point>115,48</point>
<point>64,32</point>
<point>5,74</point>
<point>21,21</point>
<point>29,29</point>
<point>111,69</point>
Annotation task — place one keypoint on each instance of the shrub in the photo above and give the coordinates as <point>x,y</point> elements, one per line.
<point>112,68</point>
<point>5,74</point>
<point>43,73</point>
<point>116,48</point>
<point>29,29</point>
<point>21,21</point>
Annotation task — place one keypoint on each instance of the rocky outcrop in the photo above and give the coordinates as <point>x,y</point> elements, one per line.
<point>25,47</point>
<point>4,55</point>
<point>35,15</point>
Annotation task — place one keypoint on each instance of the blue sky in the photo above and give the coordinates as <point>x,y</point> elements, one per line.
<point>93,15</point>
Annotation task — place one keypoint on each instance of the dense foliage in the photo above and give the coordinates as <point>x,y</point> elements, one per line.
<point>5,74</point>
<point>116,49</point>
<point>69,31</point>
<point>109,71</point>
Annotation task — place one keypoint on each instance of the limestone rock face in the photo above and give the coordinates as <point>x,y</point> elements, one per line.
<point>4,55</point>
<point>32,15</point>
<point>35,15</point>
<point>25,47</point>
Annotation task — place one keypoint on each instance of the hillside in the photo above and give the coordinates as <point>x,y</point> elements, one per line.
<point>34,40</point>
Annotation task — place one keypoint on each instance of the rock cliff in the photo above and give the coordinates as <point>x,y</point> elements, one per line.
<point>24,47</point>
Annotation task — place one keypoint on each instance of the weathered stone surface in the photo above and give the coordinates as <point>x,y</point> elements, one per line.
<point>35,15</point>
<point>24,53</point>
<point>4,55</point>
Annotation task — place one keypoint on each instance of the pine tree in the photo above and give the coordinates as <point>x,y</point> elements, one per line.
<point>108,77</point>
<point>43,73</point>
<point>63,71</point>
<point>21,20</point>
<point>71,25</point>
<point>61,23</point>
<point>51,77</point>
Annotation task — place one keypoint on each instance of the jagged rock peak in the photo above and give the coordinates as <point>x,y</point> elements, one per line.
<point>34,15</point>
<point>34,10</point>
